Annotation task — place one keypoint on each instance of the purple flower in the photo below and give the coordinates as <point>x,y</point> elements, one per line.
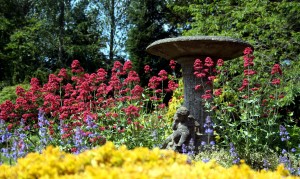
<point>205,160</point>
<point>233,154</point>
<point>212,142</point>
<point>283,133</point>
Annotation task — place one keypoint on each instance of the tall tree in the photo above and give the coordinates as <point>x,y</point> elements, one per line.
<point>114,19</point>
<point>149,22</point>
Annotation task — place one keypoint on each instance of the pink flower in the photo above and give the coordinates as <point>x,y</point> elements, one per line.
<point>211,78</point>
<point>276,81</point>
<point>172,85</point>
<point>209,62</point>
<point>276,69</point>
<point>218,92</point>
<point>127,66</point>
<point>75,66</point>
<point>154,82</point>
<point>163,74</point>
<point>197,87</point>
<point>198,65</point>
<point>133,77</point>
<point>248,51</point>
<point>172,64</point>
<point>249,72</point>
<point>220,62</point>
<point>147,69</point>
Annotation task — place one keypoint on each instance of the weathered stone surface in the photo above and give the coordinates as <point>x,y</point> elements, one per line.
<point>198,46</point>
<point>185,50</point>
<point>183,130</point>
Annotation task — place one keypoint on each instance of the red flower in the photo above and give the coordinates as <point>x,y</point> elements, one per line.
<point>132,77</point>
<point>207,95</point>
<point>198,65</point>
<point>199,75</point>
<point>132,111</point>
<point>197,87</point>
<point>220,62</point>
<point>154,82</point>
<point>137,91</point>
<point>162,106</point>
<point>254,89</point>
<point>218,92</point>
<point>127,66</point>
<point>172,64</point>
<point>172,85</point>
<point>63,73</point>
<point>276,69</point>
<point>248,60</point>
<point>211,78</point>
<point>276,81</point>
<point>163,74</point>
<point>147,69</point>
<point>101,75</point>
<point>245,82</point>
<point>248,51</point>
<point>209,62</point>
<point>75,66</point>
<point>249,72</point>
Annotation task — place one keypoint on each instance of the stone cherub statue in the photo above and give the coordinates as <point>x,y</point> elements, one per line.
<point>183,130</point>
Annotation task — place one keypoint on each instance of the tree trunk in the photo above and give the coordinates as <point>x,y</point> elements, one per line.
<point>61,23</point>
<point>112,30</point>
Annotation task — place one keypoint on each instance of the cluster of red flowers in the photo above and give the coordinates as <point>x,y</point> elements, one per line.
<point>81,95</point>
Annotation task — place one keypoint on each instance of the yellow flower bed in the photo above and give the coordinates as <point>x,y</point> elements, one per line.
<point>109,162</point>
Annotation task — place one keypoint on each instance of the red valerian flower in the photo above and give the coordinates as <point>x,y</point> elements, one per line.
<point>248,60</point>
<point>115,82</point>
<point>101,75</point>
<point>154,82</point>
<point>132,111</point>
<point>137,91</point>
<point>117,69</point>
<point>172,85</point>
<point>75,66</point>
<point>20,91</point>
<point>211,78</point>
<point>207,95</point>
<point>132,77</point>
<point>198,65</point>
<point>220,62</point>
<point>249,72</point>
<point>172,64</point>
<point>163,74</point>
<point>127,65</point>
<point>276,69</point>
<point>209,62</point>
<point>147,69</point>
<point>199,75</point>
<point>197,87</point>
<point>218,92</point>
<point>245,82</point>
<point>276,81</point>
<point>248,51</point>
<point>63,73</point>
<point>162,105</point>
<point>254,89</point>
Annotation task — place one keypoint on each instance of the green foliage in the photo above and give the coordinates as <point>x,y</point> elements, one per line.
<point>270,26</point>
<point>149,23</point>
<point>9,92</point>
<point>176,101</point>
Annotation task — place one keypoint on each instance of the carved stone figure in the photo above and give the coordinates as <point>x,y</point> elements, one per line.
<point>183,130</point>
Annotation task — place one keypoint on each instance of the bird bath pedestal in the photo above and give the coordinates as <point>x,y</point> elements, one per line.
<point>185,50</point>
